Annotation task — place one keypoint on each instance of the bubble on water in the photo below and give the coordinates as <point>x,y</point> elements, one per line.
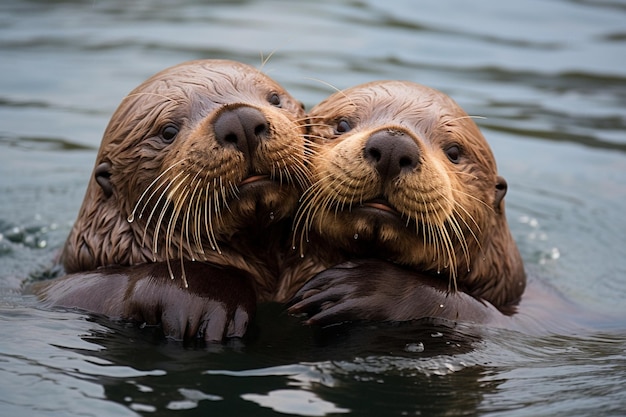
<point>531,221</point>
<point>555,253</point>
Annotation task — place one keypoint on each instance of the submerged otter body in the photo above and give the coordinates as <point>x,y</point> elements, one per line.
<point>202,163</point>
<point>402,175</point>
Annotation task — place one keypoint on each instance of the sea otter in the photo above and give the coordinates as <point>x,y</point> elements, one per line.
<point>197,177</point>
<point>405,188</point>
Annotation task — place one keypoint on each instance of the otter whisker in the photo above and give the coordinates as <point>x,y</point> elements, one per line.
<point>448,247</point>
<point>171,227</point>
<point>265,60</point>
<point>301,175</point>
<point>141,197</point>
<point>337,90</point>
<point>458,232</point>
<point>224,195</point>
<point>187,220</point>
<point>175,212</point>
<point>473,197</point>
<point>164,193</point>
<point>197,230</point>
<point>150,94</point>
<point>448,121</point>
<point>304,215</point>
<point>208,221</point>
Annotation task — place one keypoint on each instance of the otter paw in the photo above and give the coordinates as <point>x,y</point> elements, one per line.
<point>338,294</point>
<point>376,290</point>
<point>217,303</point>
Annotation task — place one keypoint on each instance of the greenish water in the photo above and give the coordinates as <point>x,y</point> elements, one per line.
<point>549,78</point>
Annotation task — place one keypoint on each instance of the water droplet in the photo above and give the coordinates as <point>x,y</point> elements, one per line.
<point>131,218</point>
<point>272,216</point>
<point>356,236</point>
<point>437,334</point>
<point>414,347</point>
<point>440,305</point>
<point>293,248</point>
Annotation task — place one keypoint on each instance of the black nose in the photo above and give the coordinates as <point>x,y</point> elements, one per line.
<point>392,152</point>
<point>242,127</point>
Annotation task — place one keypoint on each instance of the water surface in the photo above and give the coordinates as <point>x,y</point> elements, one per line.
<point>548,79</point>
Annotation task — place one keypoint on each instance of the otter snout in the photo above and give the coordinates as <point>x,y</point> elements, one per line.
<point>241,127</point>
<point>391,153</point>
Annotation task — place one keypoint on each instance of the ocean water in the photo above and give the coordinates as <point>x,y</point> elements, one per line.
<point>547,78</point>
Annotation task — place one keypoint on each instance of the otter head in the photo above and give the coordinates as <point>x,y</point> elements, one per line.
<point>401,172</point>
<point>194,154</point>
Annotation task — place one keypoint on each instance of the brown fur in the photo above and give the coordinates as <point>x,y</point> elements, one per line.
<point>154,201</point>
<point>442,216</point>
<point>219,302</point>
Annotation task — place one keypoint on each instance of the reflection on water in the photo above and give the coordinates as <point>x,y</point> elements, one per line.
<point>548,81</point>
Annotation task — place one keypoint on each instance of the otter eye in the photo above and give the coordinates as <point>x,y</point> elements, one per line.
<point>454,154</point>
<point>343,127</point>
<point>274,99</point>
<point>169,132</point>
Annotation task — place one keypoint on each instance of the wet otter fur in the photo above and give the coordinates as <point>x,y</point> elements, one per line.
<point>202,164</point>
<point>403,176</point>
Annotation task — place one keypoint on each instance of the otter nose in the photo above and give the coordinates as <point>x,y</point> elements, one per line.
<point>391,153</point>
<point>242,127</point>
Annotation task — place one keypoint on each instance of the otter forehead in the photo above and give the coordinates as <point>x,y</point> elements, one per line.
<point>431,115</point>
<point>186,93</point>
<point>426,111</point>
<point>389,100</point>
<point>203,86</point>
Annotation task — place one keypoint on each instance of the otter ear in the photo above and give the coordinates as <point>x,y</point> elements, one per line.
<point>102,175</point>
<point>501,187</point>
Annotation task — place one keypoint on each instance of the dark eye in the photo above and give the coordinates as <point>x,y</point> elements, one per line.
<point>454,154</point>
<point>343,127</point>
<point>274,99</point>
<point>169,132</point>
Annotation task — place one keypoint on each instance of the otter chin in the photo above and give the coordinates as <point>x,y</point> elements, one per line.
<point>401,173</point>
